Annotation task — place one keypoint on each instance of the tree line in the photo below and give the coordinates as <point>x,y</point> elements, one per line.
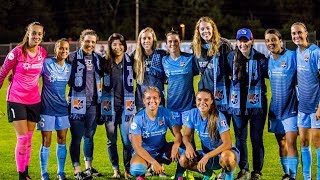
<point>67,18</point>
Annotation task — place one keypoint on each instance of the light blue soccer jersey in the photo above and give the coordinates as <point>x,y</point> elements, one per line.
<point>282,75</point>
<point>308,66</point>
<point>153,132</point>
<point>180,72</point>
<point>55,79</point>
<point>193,120</point>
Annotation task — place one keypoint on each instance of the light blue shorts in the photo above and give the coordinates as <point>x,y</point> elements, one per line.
<point>283,126</point>
<point>50,123</point>
<point>308,120</point>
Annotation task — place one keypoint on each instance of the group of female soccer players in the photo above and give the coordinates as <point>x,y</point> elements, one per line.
<point>232,84</point>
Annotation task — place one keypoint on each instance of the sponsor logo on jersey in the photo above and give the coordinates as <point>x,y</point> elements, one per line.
<point>77,104</point>
<point>107,105</point>
<point>130,105</point>
<point>161,122</point>
<point>10,56</point>
<point>223,123</point>
<point>234,98</point>
<point>133,126</point>
<point>253,98</point>
<point>218,95</point>
<point>306,58</point>
<point>283,64</point>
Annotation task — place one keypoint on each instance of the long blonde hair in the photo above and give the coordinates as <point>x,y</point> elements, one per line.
<point>197,40</point>
<point>213,114</point>
<point>138,65</point>
<point>24,43</point>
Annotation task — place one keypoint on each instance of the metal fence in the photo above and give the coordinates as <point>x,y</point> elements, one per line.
<point>102,46</point>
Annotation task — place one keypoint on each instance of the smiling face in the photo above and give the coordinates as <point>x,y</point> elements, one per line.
<point>299,35</point>
<point>35,35</point>
<point>88,44</point>
<point>206,31</point>
<point>273,43</point>
<point>173,43</point>
<point>151,100</point>
<point>147,41</point>
<point>203,102</point>
<point>117,48</point>
<point>244,45</point>
<point>62,50</point>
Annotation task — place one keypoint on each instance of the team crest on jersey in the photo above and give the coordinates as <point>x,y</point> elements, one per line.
<point>107,105</point>
<point>306,58</point>
<point>218,96</point>
<point>253,98</point>
<point>77,104</point>
<point>223,123</point>
<point>40,58</point>
<point>182,63</point>
<point>234,98</point>
<point>66,70</point>
<point>161,122</point>
<point>283,64</point>
<point>130,105</point>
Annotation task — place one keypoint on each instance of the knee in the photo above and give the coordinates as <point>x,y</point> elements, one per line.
<point>61,140</point>
<point>228,160</point>
<point>47,141</point>
<point>138,169</point>
<point>183,161</point>
<point>304,141</point>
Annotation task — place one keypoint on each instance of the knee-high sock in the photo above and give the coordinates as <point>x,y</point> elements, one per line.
<point>29,143</point>
<point>44,157</point>
<point>21,152</point>
<point>318,162</point>
<point>306,160</point>
<point>61,154</point>
<point>293,166</point>
<point>284,165</point>
<point>229,174</point>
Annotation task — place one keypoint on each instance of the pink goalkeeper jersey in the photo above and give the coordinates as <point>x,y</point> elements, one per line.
<point>24,87</point>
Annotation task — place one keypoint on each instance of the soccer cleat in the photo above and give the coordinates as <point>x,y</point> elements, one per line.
<point>92,172</point>
<point>127,175</point>
<point>27,173</point>
<point>81,176</point>
<point>45,176</point>
<point>285,177</point>
<point>140,178</point>
<point>61,176</point>
<point>222,175</point>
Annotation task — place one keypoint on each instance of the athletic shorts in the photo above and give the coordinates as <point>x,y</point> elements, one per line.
<point>50,123</point>
<point>17,111</point>
<point>283,126</point>
<point>213,163</point>
<point>308,120</point>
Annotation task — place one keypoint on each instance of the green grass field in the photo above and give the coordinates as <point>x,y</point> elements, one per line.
<point>271,169</point>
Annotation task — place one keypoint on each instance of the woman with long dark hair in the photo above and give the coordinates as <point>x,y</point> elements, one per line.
<point>117,105</point>
<point>248,101</point>
<point>213,130</point>
<point>23,99</point>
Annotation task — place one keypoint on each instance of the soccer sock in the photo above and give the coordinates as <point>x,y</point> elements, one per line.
<point>20,152</point>
<point>306,162</point>
<point>318,162</point>
<point>229,174</point>
<point>61,157</point>
<point>30,133</point>
<point>293,166</point>
<point>44,156</point>
<point>179,171</point>
<point>284,165</point>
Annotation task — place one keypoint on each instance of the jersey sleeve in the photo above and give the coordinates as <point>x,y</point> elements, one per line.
<point>187,119</point>
<point>222,124</point>
<point>9,63</point>
<point>135,126</point>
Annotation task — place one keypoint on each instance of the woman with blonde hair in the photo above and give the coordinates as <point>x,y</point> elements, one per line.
<point>23,99</point>
<point>147,66</point>
<point>211,51</point>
